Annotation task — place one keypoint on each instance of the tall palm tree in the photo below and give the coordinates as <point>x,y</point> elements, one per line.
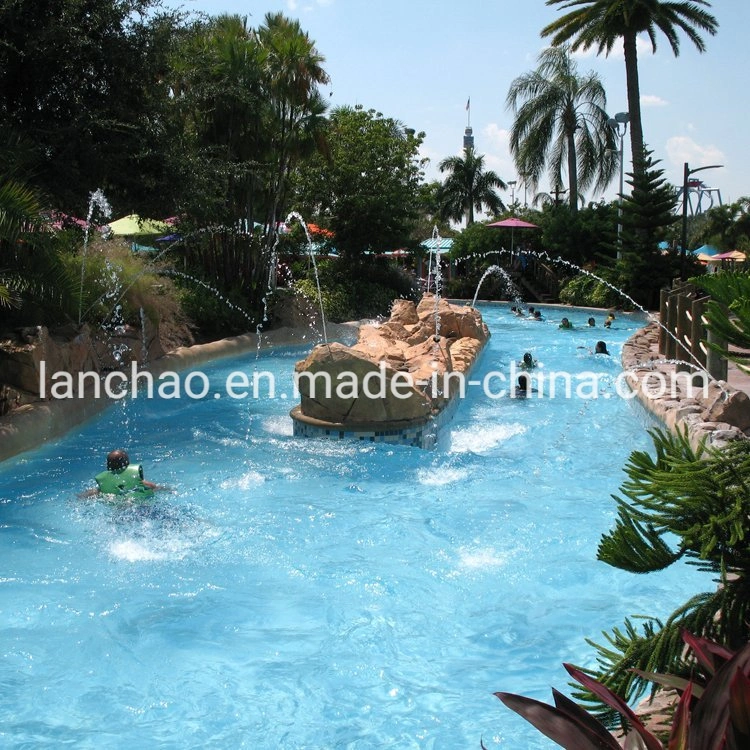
<point>600,23</point>
<point>468,187</point>
<point>294,70</point>
<point>560,118</point>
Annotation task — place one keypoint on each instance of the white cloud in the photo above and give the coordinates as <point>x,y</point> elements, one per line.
<point>681,149</point>
<point>651,100</point>
<point>497,153</point>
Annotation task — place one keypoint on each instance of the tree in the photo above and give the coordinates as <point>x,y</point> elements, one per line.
<point>560,118</point>
<point>468,187</point>
<point>293,68</point>
<point>601,23</point>
<point>83,82</point>
<point>367,192</point>
<point>647,213</point>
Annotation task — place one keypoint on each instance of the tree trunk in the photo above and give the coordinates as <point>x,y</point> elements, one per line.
<point>572,171</point>
<point>634,103</point>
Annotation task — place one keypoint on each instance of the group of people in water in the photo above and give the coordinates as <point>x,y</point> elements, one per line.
<point>523,383</point>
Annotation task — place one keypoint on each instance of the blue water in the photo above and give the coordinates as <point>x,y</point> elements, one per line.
<point>295,593</point>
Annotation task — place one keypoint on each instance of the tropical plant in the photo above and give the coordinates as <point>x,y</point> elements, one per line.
<point>726,227</point>
<point>293,70</point>
<point>601,23</point>
<point>561,119</point>
<point>728,313</point>
<point>31,274</point>
<point>713,710</point>
<point>690,504</point>
<point>468,187</point>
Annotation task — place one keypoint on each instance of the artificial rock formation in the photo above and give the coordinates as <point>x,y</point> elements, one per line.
<point>408,354</point>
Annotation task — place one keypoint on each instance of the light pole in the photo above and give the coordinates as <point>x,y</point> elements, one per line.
<point>512,184</point>
<point>620,119</point>
<point>683,242</point>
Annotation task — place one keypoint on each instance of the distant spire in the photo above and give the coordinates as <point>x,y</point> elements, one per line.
<point>468,133</point>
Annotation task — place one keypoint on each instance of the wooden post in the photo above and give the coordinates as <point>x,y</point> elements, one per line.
<point>683,331</point>
<point>670,347</point>
<point>716,363</point>
<point>663,304</point>
<point>698,334</point>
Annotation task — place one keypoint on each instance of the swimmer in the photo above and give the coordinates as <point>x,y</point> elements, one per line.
<point>122,479</point>
<point>523,387</point>
<point>528,362</point>
<point>600,348</point>
<point>592,323</point>
<point>608,321</point>
<point>565,323</point>
<point>537,315</point>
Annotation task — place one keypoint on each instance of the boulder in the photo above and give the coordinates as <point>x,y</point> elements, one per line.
<point>730,407</point>
<point>340,385</point>
<point>404,349</point>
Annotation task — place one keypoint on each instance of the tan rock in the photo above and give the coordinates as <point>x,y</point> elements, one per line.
<point>404,312</point>
<point>732,408</point>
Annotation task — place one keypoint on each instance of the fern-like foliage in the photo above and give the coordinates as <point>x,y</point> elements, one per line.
<point>728,312</point>
<point>680,503</point>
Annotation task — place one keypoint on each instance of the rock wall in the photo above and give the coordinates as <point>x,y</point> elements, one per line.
<point>716,415</point>
<point>405,350</point>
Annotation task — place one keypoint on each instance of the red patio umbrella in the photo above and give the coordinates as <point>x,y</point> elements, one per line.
<point>513,222</point>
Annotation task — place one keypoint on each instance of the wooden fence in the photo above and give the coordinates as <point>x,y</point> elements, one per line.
<point>684,335</point>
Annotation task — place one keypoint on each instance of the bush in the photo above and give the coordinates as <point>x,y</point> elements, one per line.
<point>354,289</point>
<point>585,291</point>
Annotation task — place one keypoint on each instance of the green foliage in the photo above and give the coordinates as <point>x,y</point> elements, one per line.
<point>725,227</point>
<point>683,503</point>
<point>583,237</point>
<point>728,312</point>
<point>561,120</point>
<point>356,289</point>
<point>601,24</point>
<point>647,213</point>
<point>84,83</point>
<point>468,187</point>
<point>585,291</point>
<point>368,188</point>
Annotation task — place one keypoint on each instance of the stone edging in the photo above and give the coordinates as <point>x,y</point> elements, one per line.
<point>38,422</point>
<point>721,416</point>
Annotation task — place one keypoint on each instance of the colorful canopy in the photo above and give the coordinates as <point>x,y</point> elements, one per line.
<point>133,224</point>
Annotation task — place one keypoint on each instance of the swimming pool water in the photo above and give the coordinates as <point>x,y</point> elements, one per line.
<point>296,593</point>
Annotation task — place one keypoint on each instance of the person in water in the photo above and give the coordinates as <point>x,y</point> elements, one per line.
<point>608,321</point>
<point>600,348</point>
<point>528,362</point>
<point>122,478</point>
<point>565,323</point>
<point>592,322</point>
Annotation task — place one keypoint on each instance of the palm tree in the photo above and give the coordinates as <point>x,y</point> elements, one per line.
<point>294,70</point>
<point>468,187</point>
<point>600,23</point>
<point>560,117</point>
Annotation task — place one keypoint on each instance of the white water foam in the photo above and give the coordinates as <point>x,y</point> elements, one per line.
<point>484,438</point>
<point>441,475</point>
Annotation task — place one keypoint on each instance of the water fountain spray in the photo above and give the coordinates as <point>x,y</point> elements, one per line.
<point>96,200</point>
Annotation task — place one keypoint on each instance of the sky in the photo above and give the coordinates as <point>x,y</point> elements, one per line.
<point>421,61</point>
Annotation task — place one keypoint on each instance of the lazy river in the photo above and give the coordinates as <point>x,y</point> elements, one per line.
<point>303,593</point>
